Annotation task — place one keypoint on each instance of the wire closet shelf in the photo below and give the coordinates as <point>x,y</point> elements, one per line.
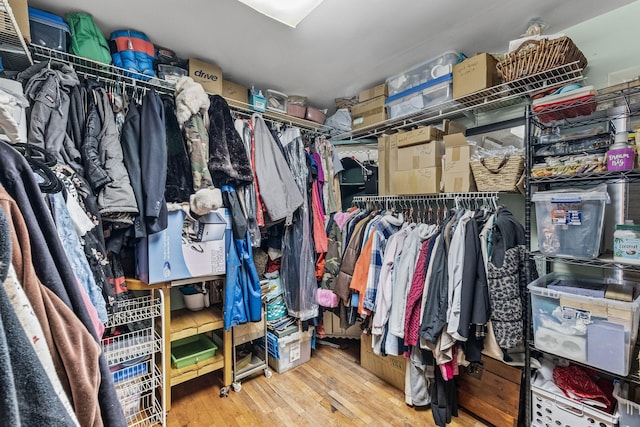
<point>120,76</point>
<point>500,96</point>
<point>13,48</point>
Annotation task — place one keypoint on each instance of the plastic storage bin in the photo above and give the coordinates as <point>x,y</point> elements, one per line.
<point>628,410</point>
<point>48,30</point>
<point>191,350</point>
<point>550,409</point>
<point>420,97</point>
<point>276,101</point>
<point>423,73</point>
<point>596,331</point>
<point>290,351</point>
<point>570,223</point>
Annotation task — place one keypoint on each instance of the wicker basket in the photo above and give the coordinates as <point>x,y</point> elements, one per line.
<point>536,56</point>
<point>498,173</point>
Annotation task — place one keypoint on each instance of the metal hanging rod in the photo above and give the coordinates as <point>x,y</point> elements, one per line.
<point>427,197</point>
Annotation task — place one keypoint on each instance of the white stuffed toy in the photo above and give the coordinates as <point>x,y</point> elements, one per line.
<point>205,200</point>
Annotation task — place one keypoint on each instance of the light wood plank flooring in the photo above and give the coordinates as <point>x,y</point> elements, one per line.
<point>329,390</point>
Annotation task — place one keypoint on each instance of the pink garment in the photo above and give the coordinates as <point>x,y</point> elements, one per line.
<point>341,218</point>
<point>413,316</point>
<point>93,314</point>
<point>319,234</point>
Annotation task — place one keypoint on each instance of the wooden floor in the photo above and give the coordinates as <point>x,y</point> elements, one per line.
<point>329,390</point>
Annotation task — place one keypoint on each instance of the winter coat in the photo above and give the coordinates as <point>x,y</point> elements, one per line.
<point>349,259</point>
<point>228,161</point>
<point>47,86</point>
<point>280,193</point>
<point>53,268</point>
<point>153,161</point>
<point>130,142</point>
<point>103,160</point>
<point>179,179</point>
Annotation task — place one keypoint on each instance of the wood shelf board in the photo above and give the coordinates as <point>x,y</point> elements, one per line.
<point>185,323</point>
<point>192,371</point>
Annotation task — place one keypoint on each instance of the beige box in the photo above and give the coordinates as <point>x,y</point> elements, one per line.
<point>368,108</point>
<point>235,94</point>
<point>457,153</point>
<point>450,127</point>
<point>359,122</point>
<point>389,368</point>
<point>426,155</point>
<point>458,182</point>
<point>392,162</point>
<point>332,328</point>
<point>418,136</point>
<point>21,14</point>
<point>473,74</point>
<point>383,172</point>
<point>417,181</point>
<point>208,75</point>
<point>374,92</point>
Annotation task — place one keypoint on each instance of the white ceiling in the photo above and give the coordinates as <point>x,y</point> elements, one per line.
<point>341,48</point>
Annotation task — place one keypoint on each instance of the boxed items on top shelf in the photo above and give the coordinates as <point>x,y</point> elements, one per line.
<point>368,113</point>
<point>315,115</point>
<point>257,100</point>
<point>20,11</point>
<point>540,54</point>
<point>208,75</point>
<point>276,101</point>
<point>374,92</point>
<point>474,74</point>
<point>421,97</point>
<point>587,320</point>
<point>297,106</point>
<point>422,73</point>
<point>235,94</point>
<point>570,222</point>
<point>48,30</point>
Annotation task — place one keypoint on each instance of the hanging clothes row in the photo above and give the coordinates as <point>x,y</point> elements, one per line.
<point>439,280</point>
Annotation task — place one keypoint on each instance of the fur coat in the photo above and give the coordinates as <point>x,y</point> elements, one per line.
<point>228,161</point>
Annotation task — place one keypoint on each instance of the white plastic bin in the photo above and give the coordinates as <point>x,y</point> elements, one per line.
<point>550,409</point>
<point>420,98</point>
<point>570,222</point>
<point>423,72</point>
<point>596,331</point>
<point>628,410</point>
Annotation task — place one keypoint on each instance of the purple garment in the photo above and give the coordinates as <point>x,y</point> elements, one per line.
<point>318,160</point>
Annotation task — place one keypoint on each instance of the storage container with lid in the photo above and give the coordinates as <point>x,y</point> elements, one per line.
<point>48,30</point>
<point>420,97</point>
<point>276,101</point>
<point>422,73</point>
<point>598,331</point>
<point>570,222</point>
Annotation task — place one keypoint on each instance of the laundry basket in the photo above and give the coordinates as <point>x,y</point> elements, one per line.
<point>536,56</point>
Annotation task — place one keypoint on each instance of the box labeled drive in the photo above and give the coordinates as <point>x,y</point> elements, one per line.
<point>208,75</point>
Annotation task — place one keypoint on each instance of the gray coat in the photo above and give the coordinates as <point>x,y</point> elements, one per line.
<point>47,86</point>
<point>278,188</point>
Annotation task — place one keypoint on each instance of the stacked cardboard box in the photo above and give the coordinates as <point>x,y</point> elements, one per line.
<point>418,168</point>
<point>457,171</point>
<point>370,109</point>
<point>476,73</point>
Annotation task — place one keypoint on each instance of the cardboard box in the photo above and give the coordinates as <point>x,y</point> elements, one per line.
<point>473,74</point>
<point>208,75</point>
<point>21,14</point>
<point>332,328</point>
<point>249,331</point>
<point>365,121</point>
<point>418,136</point>
<point>450,127</point>
<point>235,94</point>
<point>368,108</point>
<point>374,92</point>
<point>392,161</point>
<point>168,255</point>
<point>417,181</point>
<point>457,153</point>
<point>458,182</point>
<point>389,368</point>
<point>383,173</point>
<point>426,155</point>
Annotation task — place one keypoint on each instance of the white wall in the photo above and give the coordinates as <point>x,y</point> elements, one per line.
<point>610,42</point>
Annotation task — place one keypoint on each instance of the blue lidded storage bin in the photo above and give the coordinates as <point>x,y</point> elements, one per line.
<point>48,30</point>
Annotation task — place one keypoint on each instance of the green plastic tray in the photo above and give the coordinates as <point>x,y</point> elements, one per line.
<point>191,350</point>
